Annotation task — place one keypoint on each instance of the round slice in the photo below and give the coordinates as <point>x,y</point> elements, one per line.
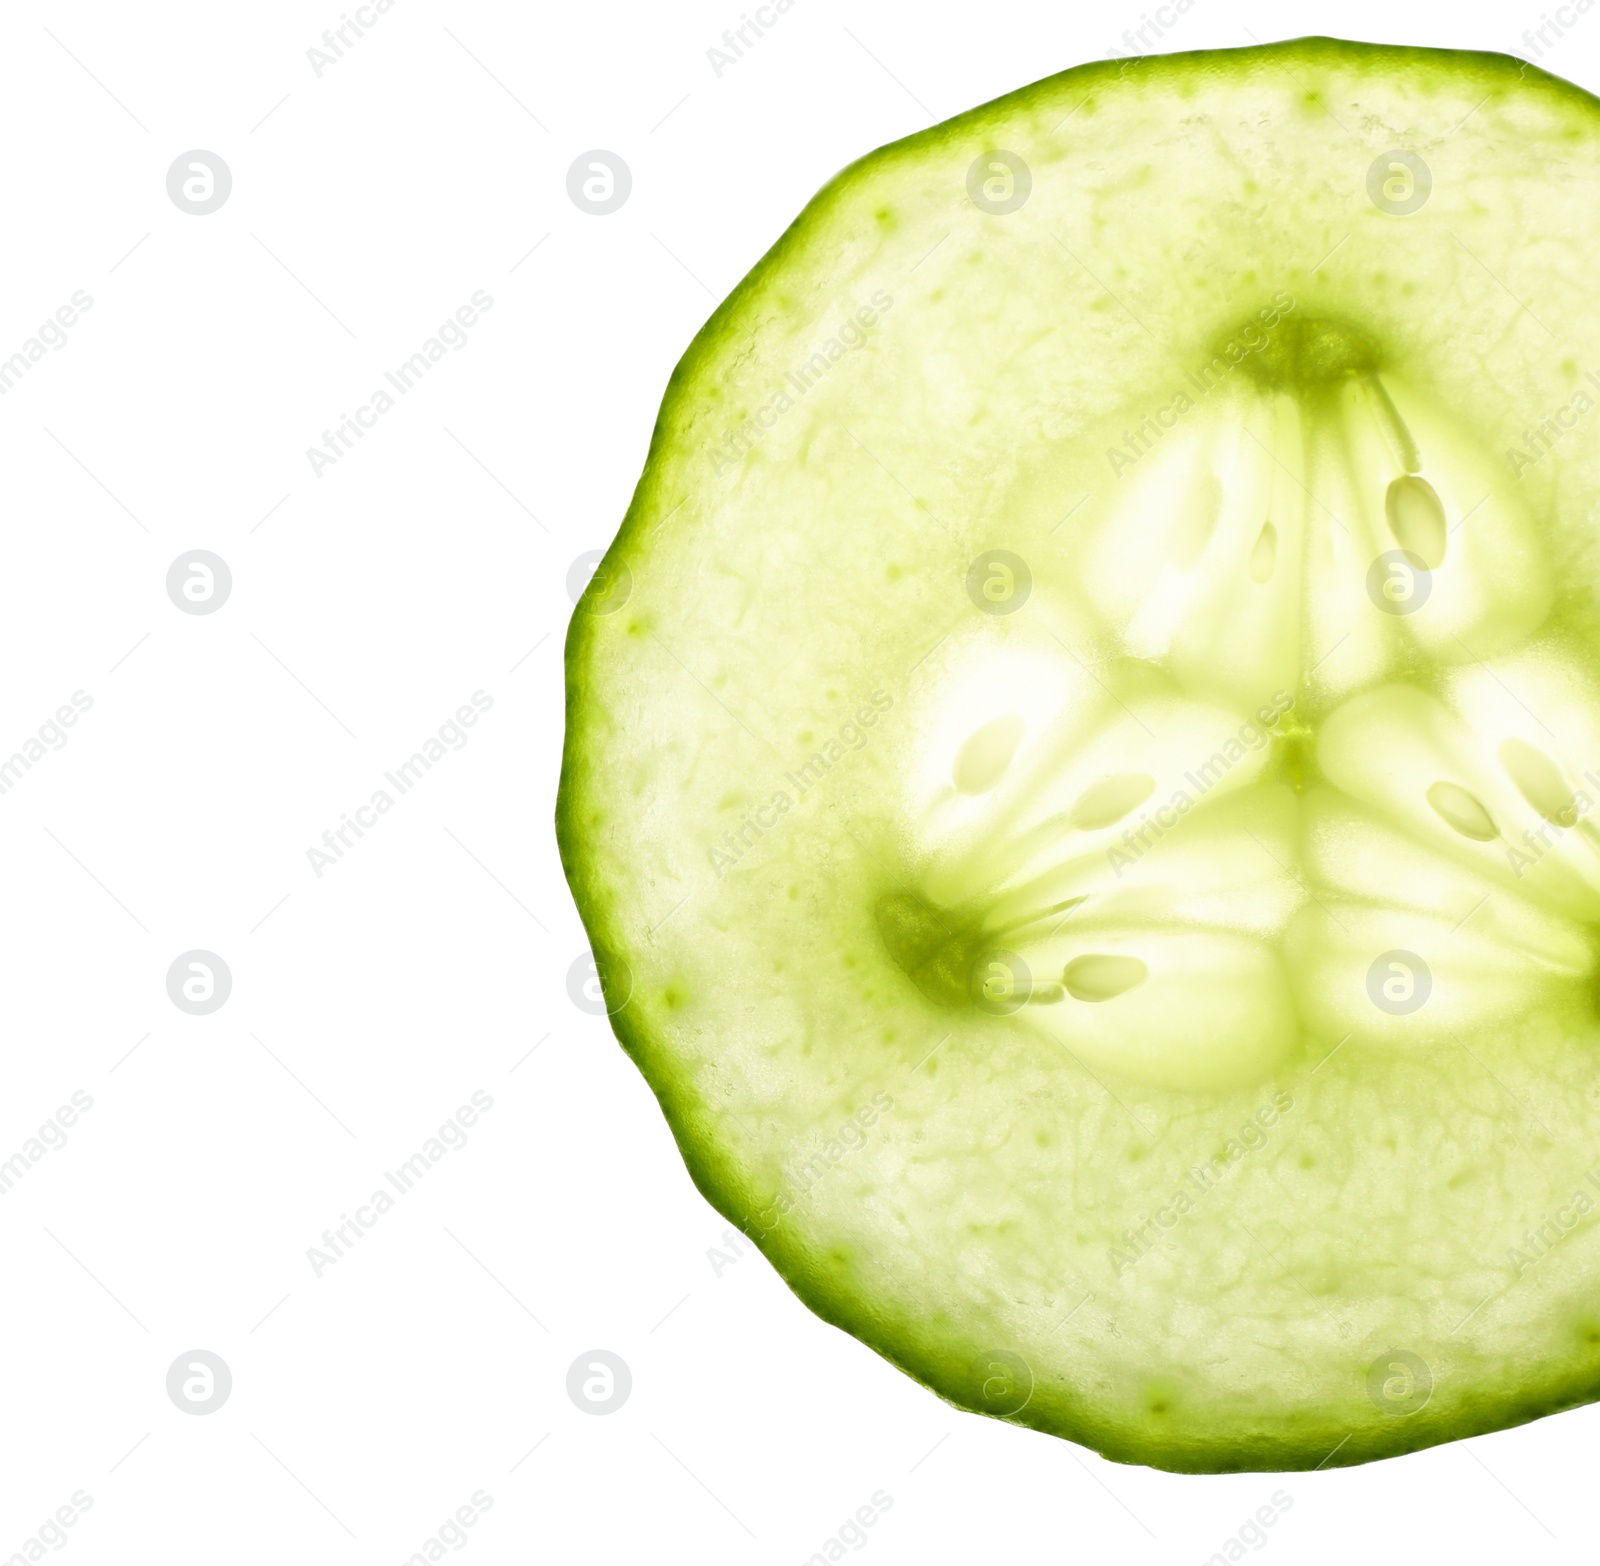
<point>1082,760</point>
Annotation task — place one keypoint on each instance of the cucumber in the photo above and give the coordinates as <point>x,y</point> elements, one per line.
<point>1085,807</point>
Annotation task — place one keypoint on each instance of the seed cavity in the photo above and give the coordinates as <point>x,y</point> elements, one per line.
<point>1461,810</point>
<point>1264,556</point>
<point>982,761</point>
<point>1104,803</point>
<point>1416,518</point>
<point>1197,521</point>
<point>1539,781</point>
<point>1102,976</point>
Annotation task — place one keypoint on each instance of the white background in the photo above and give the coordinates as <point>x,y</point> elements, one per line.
<point>431,961</point>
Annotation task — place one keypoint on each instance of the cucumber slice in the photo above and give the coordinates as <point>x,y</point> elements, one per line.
<point>1084,804</point>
